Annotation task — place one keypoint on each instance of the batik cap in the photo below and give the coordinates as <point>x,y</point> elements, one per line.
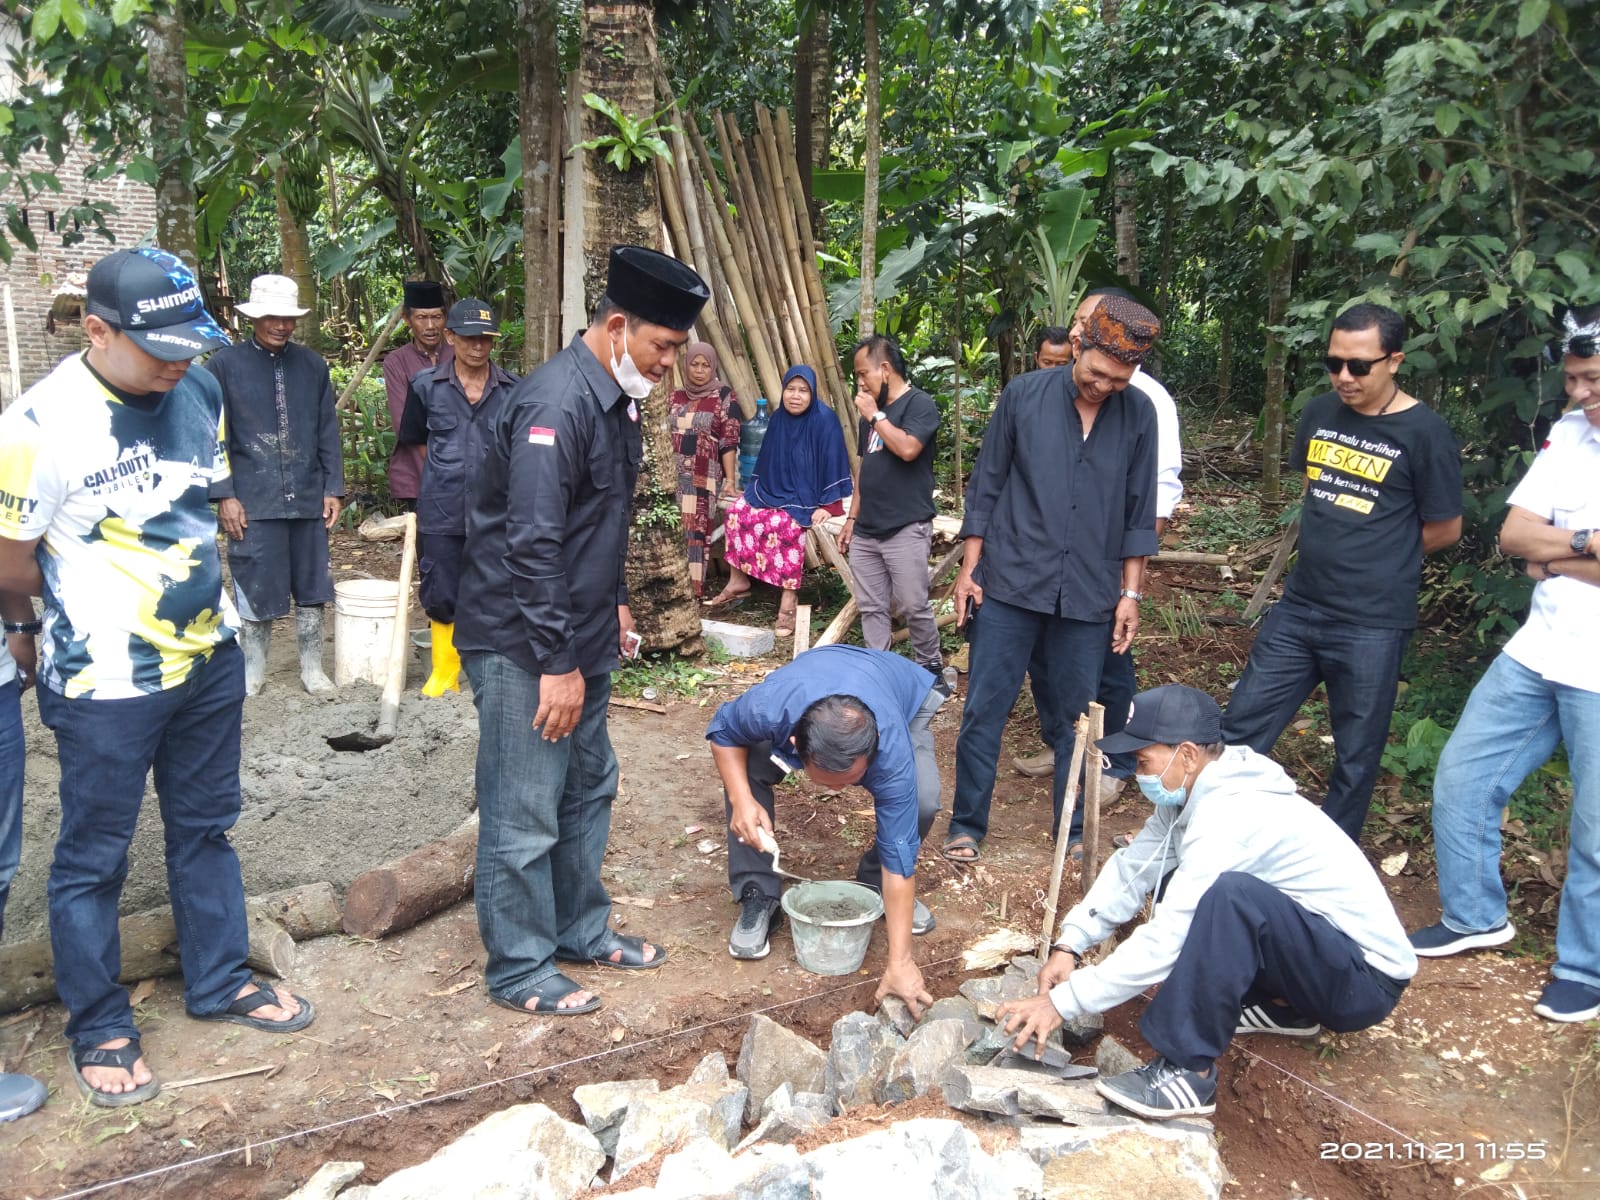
<point>151,296</point>
<point>1167,716</point>
<point>1122,328</point>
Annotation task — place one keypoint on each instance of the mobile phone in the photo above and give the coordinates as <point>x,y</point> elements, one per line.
<point>883,394</point>
<point>969,627</point>
<point>631,643</point>
<point>789,766</point>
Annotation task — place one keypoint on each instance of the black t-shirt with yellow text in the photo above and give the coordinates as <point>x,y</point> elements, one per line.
<point>1371,482</point>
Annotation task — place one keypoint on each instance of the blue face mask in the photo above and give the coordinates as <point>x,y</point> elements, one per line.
<point>1159,793</point>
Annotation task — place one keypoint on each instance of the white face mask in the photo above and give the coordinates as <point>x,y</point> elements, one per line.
<point>627,374</point>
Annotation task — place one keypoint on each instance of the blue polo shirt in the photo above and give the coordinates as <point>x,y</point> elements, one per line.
<point>892,688</point>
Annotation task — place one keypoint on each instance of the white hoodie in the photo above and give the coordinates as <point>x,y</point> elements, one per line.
<point>1243,814</point>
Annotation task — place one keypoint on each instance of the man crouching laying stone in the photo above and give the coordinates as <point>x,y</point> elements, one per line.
<point>843,715</point>
<point>1270,923</point>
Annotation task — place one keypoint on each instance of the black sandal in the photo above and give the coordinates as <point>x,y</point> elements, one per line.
<point>550,992</point>
<point>632,958</point>
<point>121,1059</point>
<point>265,994</point>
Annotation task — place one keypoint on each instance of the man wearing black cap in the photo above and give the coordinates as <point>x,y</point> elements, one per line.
<point>105,466</point>
<point>423,312</point>
<point>542,616</point>
<point>1270,922</point>
<point>450,412</point>
<point>286,480</point>
<point>1060,517</point>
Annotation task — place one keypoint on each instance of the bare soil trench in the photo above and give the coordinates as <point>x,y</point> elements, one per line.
<point>406,1052</point>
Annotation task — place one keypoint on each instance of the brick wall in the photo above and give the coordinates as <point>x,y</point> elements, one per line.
<point>34,277</point>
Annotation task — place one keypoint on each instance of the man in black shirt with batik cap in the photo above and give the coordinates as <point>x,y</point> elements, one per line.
<point>890,528</point>
<point>1060,519</point>
<point>541,617</point>
<point>1383,489</point>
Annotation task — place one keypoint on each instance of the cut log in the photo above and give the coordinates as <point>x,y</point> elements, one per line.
<point>1195,558</point>
<point>149,950</point>
<point>398,894</point>
<point>308,911</point>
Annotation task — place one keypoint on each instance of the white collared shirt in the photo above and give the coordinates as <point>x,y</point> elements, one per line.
<point>1563,486</point>
<point>1169,449</point>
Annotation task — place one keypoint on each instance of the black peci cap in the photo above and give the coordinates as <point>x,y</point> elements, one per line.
<point>153,297</point>
<point>1167,716</point>
<point>423,293</point>
<point>655,287</point>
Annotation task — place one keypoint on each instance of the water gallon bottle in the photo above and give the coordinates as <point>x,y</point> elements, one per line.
<point>751,433</point>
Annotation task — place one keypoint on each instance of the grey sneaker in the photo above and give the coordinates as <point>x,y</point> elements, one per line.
<point>1440,941</point>
<point>1275,1018</point>
<point>1036,766</point>
<point>757,914</point>
<point>1161,1090</point>
<point>19,1096</point>
<point>922,918</point>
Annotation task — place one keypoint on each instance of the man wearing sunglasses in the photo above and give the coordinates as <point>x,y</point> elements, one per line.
<point>1543,689</point>
<point>1383,489</point>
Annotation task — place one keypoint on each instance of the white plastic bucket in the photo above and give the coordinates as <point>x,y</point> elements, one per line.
<point>363,624</point>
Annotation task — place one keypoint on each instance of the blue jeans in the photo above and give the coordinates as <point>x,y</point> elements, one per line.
<point>1299,647</point>
<point>189,735</point>
<point>1511,726</point>
<point>1117,688</point>
<point>1002,645</point>
<point>544,811</point>
<point>11,759</point>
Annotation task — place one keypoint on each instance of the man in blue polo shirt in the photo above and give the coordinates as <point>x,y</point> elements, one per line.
<point>844,715</point>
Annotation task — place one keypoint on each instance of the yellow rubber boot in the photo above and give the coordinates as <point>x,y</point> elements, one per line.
<point>446,662</point>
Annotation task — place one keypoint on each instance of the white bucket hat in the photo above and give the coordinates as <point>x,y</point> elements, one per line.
<point>273,296</point>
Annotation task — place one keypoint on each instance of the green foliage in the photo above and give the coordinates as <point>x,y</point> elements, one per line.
<point>637,141</point>
<point>665,673</point>
<point>366,438</point>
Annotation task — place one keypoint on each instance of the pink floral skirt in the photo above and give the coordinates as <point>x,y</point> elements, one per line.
<point>767,544</point>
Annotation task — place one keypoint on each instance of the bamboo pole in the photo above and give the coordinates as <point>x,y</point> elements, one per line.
<point>752,220</point>
<point>343,404</point>
<point>1081,732</point>
<point>780,212</point>
<point>1091,796</point>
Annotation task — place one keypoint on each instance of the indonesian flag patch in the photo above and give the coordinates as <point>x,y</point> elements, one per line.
<point>538,435</point>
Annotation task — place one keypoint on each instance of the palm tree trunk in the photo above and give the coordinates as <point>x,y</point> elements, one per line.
<point>869,205</point>
<point>295,248</point>
<point>622,207</point>
<point>169,142</point>
<point>540,86</point>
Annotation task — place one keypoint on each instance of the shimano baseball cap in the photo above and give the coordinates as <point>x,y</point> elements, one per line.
<point>151,296</point>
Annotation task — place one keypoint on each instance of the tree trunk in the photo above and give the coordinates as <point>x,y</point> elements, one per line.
<point>296,251</point>
<point>811,95</point>
<point>538,60</point>
<point>869,205</point>
<point>1127,226</point>
<point>622,207</point>
<point>1225,363</point>
<point>1280,280</point>
<point>169,141</point>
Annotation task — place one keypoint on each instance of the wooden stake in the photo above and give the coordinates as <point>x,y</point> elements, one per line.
<point>641,705</point>
<point>802,629</point>
<point>1275,569</point>
<point>344,403</point>
<point>1063,829</point>
<point>840,625</point>
<point>239,1074</point>
<point>1091,796</point>
<point>828,547</point>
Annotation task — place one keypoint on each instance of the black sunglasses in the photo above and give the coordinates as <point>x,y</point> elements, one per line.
<point>1584,346</point>
<point>1359,367</point>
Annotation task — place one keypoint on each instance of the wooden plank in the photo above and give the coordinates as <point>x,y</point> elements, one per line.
<point>802,629</point>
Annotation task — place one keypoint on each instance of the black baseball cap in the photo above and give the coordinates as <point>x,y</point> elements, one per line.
<point>1167,716</point>
<point>153,297</point>
<point>472,318</point>
<point>655,287</point>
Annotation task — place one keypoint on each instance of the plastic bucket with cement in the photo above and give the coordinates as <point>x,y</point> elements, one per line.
<point>363,624</point>
<point>832,924</point>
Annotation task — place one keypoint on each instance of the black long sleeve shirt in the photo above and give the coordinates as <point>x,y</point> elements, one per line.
<point>283,430</point>
<point>548,527</point>
<point>457,434</point>
<point>1058,512</point>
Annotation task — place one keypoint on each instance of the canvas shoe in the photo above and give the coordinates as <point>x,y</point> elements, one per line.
<point>1160,1090</point>
<point>1568,1000</point>
<point>1440,941</point>
<point>1275,1018</point>
<point>757,914</point>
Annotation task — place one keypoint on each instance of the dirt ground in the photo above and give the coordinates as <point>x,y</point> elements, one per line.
<point>406,1052</point>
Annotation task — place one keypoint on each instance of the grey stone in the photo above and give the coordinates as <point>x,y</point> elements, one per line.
<point>674,1117</point>
<point>895,1013</point>
<point>1026,966</point>
<point>713,1068</point>
<point>1135,1159</point>
<point>1009,1093</point>
<point>1024,1176</point>
<point>919,1066</point>
<point>987,994</point>
<point>783,1126</point>
<point>771,1055</point>
<point>928,1159</point>
<point>1113,1058</point>
<point>325,1183</point>
<point>525,1152</point>
<point>780,1099</point>
<point>859,1055</point>
<point>773,1173</point>
<point>703,1171</point>
<point>990,1042</point>
<point>701,1168</point>
<point>956,1008</point>
<point>1081,1030</point>
<point>817,1102</point>
<point>604,1105</point>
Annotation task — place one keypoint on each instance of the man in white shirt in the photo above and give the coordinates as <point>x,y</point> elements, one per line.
<point>1543,689</point>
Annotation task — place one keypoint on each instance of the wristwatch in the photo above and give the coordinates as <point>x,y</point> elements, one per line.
<point>31,627</point>
<point>1130,594</point>
<point>1581,540</point>
<point>880,415</point>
